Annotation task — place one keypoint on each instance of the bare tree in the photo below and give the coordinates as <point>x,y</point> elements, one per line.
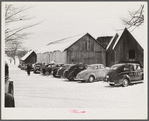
<point>14,15</point>
<point>135,19</point>
<point>21,53</point>
<point>12,47</point>
<point>14,35</point>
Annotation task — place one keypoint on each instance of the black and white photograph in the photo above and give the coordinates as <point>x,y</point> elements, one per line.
<point>74,60</point>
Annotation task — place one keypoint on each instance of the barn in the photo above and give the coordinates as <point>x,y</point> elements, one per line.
<point>104,40</point>
<point>29,57</point>
<point>123,47</point>
<point>81,48</point>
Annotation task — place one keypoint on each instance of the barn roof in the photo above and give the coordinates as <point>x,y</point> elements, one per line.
<point>61,45</point>
<point>111,41</point>
<point>119,34</point>
<point>27,55</point>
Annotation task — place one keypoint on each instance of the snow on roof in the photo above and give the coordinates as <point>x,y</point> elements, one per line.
<point>119,36</point>
<point>111,41</point>
<point>26,55</point>
<point>60,45</point>
<point>138,34</point>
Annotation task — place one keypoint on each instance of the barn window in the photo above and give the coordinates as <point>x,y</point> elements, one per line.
<point>131,54</point>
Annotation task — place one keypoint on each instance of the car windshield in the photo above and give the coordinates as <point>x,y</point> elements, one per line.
<point>114,67</point>
<point>92,67</point>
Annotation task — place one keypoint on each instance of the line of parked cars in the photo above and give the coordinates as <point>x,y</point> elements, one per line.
<point>119,74</point>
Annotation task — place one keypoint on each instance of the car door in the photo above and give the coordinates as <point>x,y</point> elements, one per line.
<point>139,73</point>
<point>129,69</point>
<point>102,71</point>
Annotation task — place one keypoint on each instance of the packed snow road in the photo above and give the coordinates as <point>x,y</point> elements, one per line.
<point>38,91</point>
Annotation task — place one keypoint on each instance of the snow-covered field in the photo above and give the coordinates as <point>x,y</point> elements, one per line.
<point>98,99</point>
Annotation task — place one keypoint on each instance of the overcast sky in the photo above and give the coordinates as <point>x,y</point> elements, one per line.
<point>64,19</point>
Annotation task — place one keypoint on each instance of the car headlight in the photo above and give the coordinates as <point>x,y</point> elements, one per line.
<point>107,76</point>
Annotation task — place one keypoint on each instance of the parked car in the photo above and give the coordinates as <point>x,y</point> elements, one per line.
<point>61,70</point>
<point>71,73</point>
<point>24,67</point>
<point>9,89</point>
<point>55,69</point>
<point>92,73</point>
<point>124,74</point>
<point>19,66</point>
<point>48,68</point>
<point>36,67</point>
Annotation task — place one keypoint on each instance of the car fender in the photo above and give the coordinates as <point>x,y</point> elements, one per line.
<point>120,78</point>
<point>91,74</point>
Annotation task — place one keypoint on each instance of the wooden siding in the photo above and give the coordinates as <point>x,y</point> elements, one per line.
<point>86,50</point>
<point>121,51</point>
<point>58,57</point>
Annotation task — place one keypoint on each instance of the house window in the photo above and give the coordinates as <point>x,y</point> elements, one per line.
<point>131,54</point>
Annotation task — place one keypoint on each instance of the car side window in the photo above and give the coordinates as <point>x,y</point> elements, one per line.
<point>131,68</point>
<point>96,67</point>
<point>81,67</point>
<point>138,67</point>
<point>102,66</point>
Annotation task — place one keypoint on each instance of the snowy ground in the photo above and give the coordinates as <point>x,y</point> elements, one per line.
<point>97,99</point>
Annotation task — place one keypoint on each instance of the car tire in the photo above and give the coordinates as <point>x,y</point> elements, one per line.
<point>112,85</point>
<point>91,79</point>
<point>71,79</point>
<point>125,82</point>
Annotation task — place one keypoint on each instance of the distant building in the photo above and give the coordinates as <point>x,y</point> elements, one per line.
<point>122,48</point>
<point>29,57</point>
<point>77,49</point>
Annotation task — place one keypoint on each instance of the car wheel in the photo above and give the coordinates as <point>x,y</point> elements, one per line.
<point>125,83</point>
<point>71,79</point>
<point>54,74</point>
<point>91,79</point>
<point>112,85</point>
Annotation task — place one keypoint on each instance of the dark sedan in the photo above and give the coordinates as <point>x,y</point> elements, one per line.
<point>61,70</point>
<point>55,69</point>
<point>36,67</point>
<point>124,74</point>
<point>48,68</point>
<point>72,72</point>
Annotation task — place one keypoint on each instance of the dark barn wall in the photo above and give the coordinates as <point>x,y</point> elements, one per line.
<point>86,50</point>
<point>32,58</point>
<point>104,40</point>
<point>127,44</point>
<point>110,53</point>
<point>127,49</point>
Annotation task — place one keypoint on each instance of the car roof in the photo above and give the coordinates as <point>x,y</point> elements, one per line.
<point>95,64</point>
<point>121,64</point>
